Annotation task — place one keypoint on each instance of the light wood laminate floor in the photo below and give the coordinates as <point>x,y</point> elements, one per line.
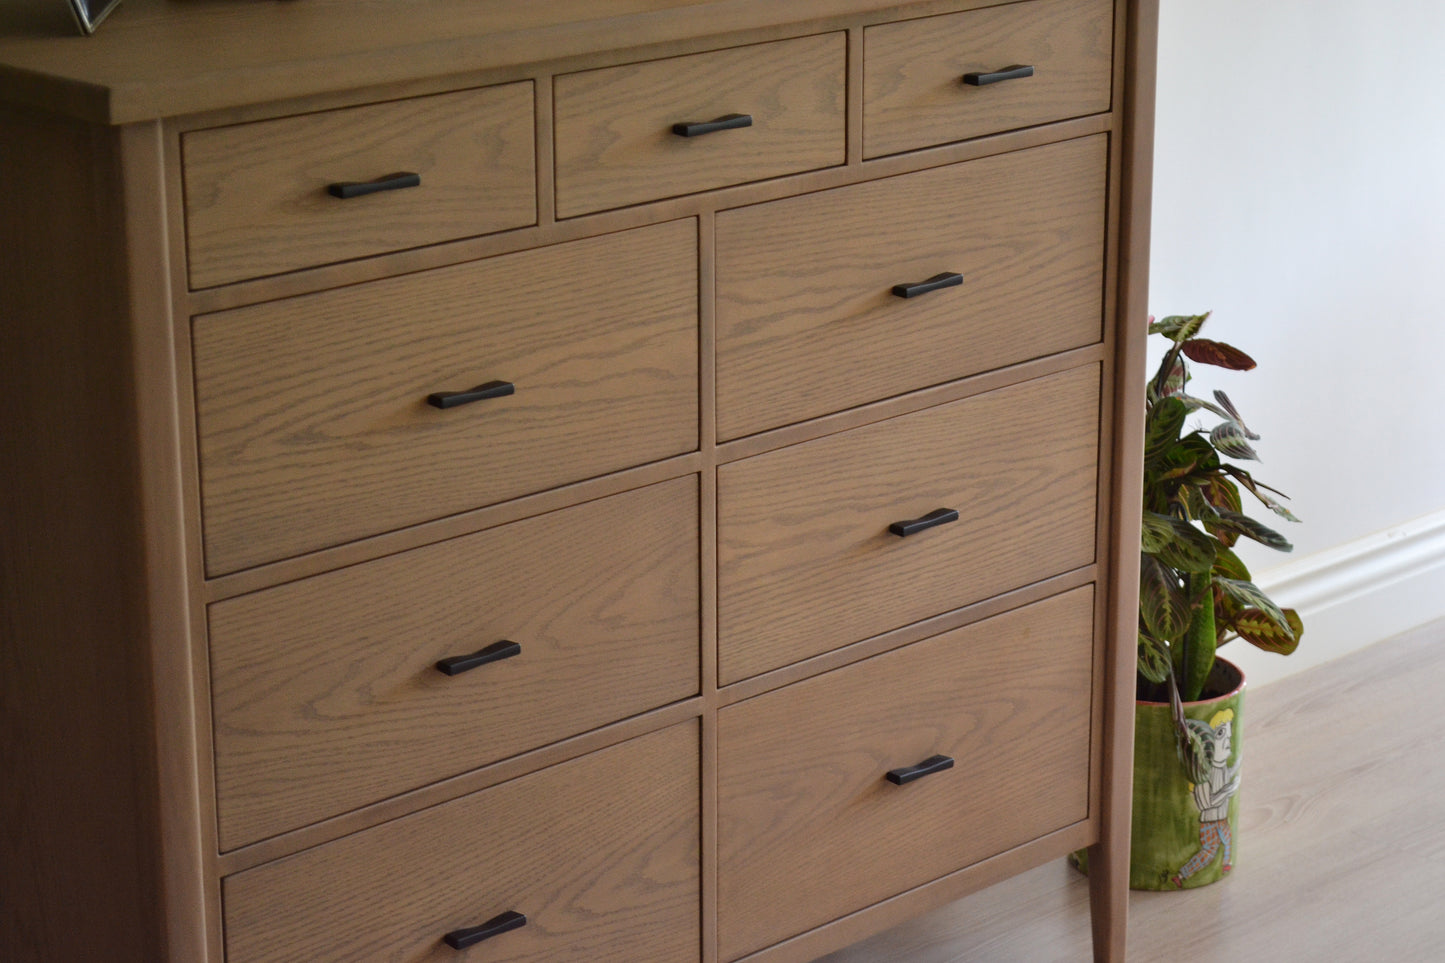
<point>1341,855</point>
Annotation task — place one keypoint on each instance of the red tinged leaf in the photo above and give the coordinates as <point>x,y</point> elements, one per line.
<point>1217,353</point>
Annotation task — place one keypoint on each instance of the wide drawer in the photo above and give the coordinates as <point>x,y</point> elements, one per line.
<point>258,198</point>
<point>914,88</point>
<point>327,694</point>
<point>600,855</point>
<point>615,141</point>
<point>807,318</point>
<point>806,558</point>
<point>809,826</point>
<point>314,421</point>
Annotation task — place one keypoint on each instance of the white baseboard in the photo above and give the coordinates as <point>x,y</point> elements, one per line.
<point>1353,595</point>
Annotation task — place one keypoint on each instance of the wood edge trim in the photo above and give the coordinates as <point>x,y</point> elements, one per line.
<point>824,425</point>
<point>906,635</point>
<point>160,529</point>
<point>454,787</point>
<point>912,903</point>
<point>452,526</point>
<point>1109,863</point>
<point>447,253</point>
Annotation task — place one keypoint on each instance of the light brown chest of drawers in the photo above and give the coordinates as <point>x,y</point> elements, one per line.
<point>566,482</point>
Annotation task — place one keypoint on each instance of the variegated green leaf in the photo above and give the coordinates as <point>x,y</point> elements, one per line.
<point>1250,595</point>
<point>1236,524</point>
<point>1228,438</point>
<point>1194,404</point>
<point>1194,449</point>
<point>1163,605</point>
<point>1228,565</point>
<point>1221,493</point>
<point>1195,503</point>
<point>1153,659</point>
<point>1217,353</point>
<point>1155,531</point>
<point>1187,548</point>
<point>1233,413</point>
<point>1257,627</point>
<point>1161,428</point>
<point>1179,327</point>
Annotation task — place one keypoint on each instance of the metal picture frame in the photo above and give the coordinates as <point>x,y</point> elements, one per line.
<point>89,13</point>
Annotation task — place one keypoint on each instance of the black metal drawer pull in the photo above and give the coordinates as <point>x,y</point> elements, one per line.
<point>948,279</point>
<point>726,122</point>
<point>450,399</point>
<point>1016,72</point>
<point>495,652</point>
<point>939,516</point>
<point>901,777</point>
<point>387,182</point>
<point>496,926</point>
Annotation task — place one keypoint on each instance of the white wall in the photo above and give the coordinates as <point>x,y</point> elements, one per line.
<point>1300,195</point>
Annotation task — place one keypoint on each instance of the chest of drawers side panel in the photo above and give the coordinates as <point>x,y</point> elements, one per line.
<point>101,849</point>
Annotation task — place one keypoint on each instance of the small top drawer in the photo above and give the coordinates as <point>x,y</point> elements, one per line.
<point>616,143</point>
<point>808,560</point>
<point>259,196</point>
<point>316,417</point>
<point>807,817</point>
<point>915,91</point>
<point>599,854</point>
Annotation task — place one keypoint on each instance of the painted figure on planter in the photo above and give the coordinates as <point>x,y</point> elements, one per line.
<point>1213,787</point>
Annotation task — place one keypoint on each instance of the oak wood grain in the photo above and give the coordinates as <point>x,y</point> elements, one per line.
<point>1344,758</point>
<point>313,420</point>
<point>600,854</point>
<point>614,140</point>
<point>326,693</point>
<point>806,562</point>
<point>80,796</point>
<point>164,58</point>
<point>810,830</point>
<point>1134,84</point>
<point>914,94</point>
<point>256,194</point>
<point>808,323</point>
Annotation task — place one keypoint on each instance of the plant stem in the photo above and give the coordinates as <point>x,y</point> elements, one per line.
<point>1196,655</point>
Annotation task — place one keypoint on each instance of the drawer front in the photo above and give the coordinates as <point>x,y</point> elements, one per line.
<point>326,691</point>
<point>807,319</point>
<point>315,428</point>
<point>600,855</point>
<point>914,93</point>
<point>258,199</point>
<point>806,559</point>
<point>615,141</point>
<point>806,816</point>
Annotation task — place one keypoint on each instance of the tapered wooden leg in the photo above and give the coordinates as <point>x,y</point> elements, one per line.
<point>1108,903</point>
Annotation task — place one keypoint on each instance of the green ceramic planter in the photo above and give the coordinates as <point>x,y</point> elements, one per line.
<point>1185,826</point>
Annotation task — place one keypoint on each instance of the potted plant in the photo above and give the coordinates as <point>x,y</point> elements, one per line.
<point>1195,594</point>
